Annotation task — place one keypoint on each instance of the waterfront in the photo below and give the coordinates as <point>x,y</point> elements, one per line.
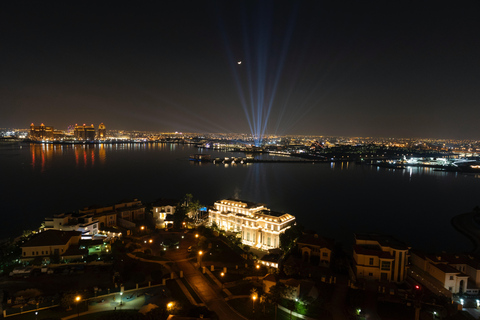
<point>415,204</point>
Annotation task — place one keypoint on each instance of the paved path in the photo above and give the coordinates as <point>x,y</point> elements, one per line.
<point>338,307</point>
<point>112,302</point>
<point>210,294</point>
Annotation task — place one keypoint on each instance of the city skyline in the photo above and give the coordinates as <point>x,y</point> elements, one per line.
<point>285,68</point>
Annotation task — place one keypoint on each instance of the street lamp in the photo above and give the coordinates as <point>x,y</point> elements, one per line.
<point>77,299</point>
<point>196,235</point>
<point>121,298</point>
<point>170,306</point>
<point>254,297</point>
<point>200,257</point>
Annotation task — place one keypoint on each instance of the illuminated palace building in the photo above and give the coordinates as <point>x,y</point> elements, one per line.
<point>84,132</point>
<point>87,133</point>
<point>259,227</point>
<point>43,132</point>
<point>102,132</point>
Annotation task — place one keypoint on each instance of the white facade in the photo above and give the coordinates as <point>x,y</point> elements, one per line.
<point>259,227</point>
<point>86,224</point>
<point>160,212</point>
<point>163,211</point>
<point>452,272</point>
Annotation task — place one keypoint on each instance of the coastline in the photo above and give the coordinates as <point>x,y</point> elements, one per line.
<point>466,224</point>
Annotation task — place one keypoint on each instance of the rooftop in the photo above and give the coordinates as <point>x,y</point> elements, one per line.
<point>316,240</point>
<point>241,203</point>
<point>370,250</point>
<point>383,240</point>
<point>52,238</point>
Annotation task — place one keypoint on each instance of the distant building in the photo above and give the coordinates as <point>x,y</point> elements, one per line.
<point>84,132</point>
<point>109,216</point>
<point>41,132</point>
<point>456,273</point>
<point>130,210</point>
<point>87,224</point>
<point>259,227</point>
<point>64,244</point>
<point>102,132</point>
<point>317,247</point>
<point>380,257</point>
<point>106,216</point>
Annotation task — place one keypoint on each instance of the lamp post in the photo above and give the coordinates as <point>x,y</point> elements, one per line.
<point>254,297</point>
<point>77,299</point>
<point>121,298</point>
<point>200,257</point>
<point>170,306</point>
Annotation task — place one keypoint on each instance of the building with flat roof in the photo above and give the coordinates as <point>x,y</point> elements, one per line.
<point>380,257</point>
<point>44,245</point>
<point>87,224</point>
<point>457,273</point>
<point>41,132</point>
<point>84,132</point>
<point>259,226</point>
<point>109,216</point>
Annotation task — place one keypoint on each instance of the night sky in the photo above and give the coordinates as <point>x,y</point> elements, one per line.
<point>382,68</point>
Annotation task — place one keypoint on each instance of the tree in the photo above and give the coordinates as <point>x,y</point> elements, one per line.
<point>289,237</point>
<point>149,219</point>
<point>275,295</point>
<point>292,306</point>
<point>68,299</point>
<point>179,216</point>
<point>214,226</point>
<point>186,199</point>
<point>194,206</point>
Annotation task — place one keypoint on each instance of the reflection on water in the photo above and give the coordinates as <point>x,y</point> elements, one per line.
<point>45,156</point>
<point>336,199</point>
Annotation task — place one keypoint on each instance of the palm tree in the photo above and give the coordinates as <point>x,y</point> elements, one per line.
<point>194,206</point>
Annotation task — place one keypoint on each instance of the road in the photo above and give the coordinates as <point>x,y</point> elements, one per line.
<point>208,293</point>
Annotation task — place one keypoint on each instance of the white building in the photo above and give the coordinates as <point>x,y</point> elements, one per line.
<point>87,224</point>
<point>259,226</point>
<point>163,208</point>
<point>456,273</point>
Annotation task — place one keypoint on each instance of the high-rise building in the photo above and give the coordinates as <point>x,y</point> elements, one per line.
<point>102,131</point>
<point>41,132</point>
<point>84,132</point>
